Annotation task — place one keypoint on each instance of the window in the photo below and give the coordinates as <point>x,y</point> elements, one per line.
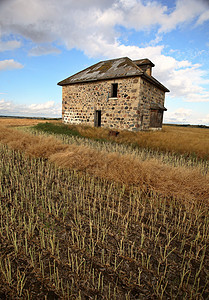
<point>114,90</point>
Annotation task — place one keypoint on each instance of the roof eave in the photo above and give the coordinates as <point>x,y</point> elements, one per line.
<point>61,83</point>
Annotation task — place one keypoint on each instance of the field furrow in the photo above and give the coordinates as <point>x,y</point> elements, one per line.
<point>69,235</point>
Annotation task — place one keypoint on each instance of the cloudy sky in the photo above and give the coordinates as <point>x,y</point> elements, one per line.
<point>45,41</point>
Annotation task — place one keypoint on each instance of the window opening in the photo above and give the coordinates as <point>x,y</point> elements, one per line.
<point>114,90</point>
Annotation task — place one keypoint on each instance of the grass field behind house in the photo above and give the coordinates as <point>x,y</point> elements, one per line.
<point>17,122</point>
<point>188,140</point>
<point>174,139</point>
<point>96,218</point>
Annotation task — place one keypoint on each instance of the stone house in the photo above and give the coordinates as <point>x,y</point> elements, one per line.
<point>118,94</point>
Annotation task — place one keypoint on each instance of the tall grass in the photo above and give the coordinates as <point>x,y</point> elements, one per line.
<point>101,144</point>
<point>174,139</point>
<point>187,141</point>
<point>127,169</point>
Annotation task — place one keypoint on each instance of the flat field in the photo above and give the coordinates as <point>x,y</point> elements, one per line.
<point>14,122</point>
<point>98,218</point>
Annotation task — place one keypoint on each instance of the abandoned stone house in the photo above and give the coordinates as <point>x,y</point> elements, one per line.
<point>118,94</point>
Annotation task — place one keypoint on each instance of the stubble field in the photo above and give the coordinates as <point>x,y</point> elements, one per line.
<point>89,218</point>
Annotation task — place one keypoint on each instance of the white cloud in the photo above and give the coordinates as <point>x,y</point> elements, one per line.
<point>141,16</point>
<point>41,106</point>
<point>91,27</point>
<point>186,116</point>
<point>185,82</point>
<point>43,50</point>
<point>9,64</point>
<point>9,45</point>
<point>185,12</point>
<point>47,109</point>
<point>5,105</point>
<point>205,120</point>
<point>203,18</point>
<point>73,22</point>
<point>181,115</point>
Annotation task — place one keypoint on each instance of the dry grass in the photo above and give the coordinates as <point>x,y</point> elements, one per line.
<point>183,140</point>
<point>148,174</point>
<point>120,228</point>
<point>64,235</point>
<point>14,122</point>
<point>31,145</point>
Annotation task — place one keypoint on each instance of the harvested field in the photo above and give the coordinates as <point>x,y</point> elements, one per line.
<point>15,122</point>
<point>149,174</point>
<point>82,221</point>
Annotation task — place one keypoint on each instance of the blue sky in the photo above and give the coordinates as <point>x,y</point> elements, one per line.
<point>44,41</point>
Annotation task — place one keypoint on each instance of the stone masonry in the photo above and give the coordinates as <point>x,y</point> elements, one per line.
<point>129,110</point>
<point>149,93</point>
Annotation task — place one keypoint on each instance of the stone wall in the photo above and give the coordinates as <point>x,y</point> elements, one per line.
<point>130,110</point>
<point>148,93</point>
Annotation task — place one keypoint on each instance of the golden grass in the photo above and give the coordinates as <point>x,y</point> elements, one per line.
<point>14,122</point>
<point>31,145</point>
<point>150,174</point>
<point>183,140</point>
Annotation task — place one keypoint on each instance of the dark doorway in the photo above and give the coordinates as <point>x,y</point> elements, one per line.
<point>97,118</point>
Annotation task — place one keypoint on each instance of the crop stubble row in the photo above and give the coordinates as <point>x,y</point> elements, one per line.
<point>69,235</point>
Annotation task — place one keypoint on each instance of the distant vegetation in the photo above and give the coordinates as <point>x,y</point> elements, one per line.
<point>189,125</point>
<point>87,215</point>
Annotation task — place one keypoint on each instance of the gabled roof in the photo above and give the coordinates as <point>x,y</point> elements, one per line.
<point>112,69</point>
